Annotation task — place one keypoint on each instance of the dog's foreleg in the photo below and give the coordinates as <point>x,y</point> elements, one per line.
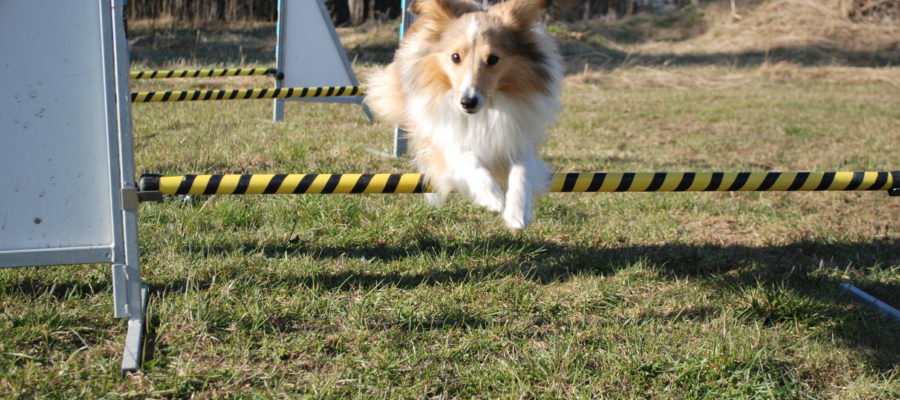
<point>436,199</point>
<point>474,179</point>
<point>527,178</point>
<point>517,211</point>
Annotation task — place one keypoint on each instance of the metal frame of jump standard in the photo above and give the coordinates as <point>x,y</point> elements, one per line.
<point>71,196</point>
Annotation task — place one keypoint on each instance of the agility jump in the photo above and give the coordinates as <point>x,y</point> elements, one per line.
<point>562,182</point>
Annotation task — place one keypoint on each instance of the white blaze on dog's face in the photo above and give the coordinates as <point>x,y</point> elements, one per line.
<point>478,53</point>
<point>474,60</point>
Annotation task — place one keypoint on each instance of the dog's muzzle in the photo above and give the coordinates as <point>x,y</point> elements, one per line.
<point>469,103</point>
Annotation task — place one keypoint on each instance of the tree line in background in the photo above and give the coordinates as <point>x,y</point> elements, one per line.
<point>356,12</point>
<point>203,10</point>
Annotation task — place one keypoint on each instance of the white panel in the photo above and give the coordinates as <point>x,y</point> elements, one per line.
<point>55,189</point>
<point>311,52</point>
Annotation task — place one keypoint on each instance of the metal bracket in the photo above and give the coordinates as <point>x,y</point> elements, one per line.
<point>130,199</point>
<point>149,196</point>
<point>149,188</point>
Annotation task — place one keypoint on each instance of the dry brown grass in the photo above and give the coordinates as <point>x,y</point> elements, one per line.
<point>721,77</point>
<point>782,24</point>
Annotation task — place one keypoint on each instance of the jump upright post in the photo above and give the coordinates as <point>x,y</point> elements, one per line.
<point>401,145</point>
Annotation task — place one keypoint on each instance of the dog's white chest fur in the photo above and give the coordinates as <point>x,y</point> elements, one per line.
<point>503,131</point>
<point>502,136</point>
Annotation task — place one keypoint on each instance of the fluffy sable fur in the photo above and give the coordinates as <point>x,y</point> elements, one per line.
<point>475,89</point>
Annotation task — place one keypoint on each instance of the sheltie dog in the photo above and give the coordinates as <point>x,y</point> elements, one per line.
<point>475,88</point>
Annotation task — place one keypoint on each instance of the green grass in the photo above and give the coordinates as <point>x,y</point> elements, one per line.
<point>704,295</point>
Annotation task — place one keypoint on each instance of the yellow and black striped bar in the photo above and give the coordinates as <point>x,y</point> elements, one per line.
<point>202,73</point>
<point>562,182</point>
<point>246,94</point>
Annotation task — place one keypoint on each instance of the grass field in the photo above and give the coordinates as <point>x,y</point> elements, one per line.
<point>704,295</point>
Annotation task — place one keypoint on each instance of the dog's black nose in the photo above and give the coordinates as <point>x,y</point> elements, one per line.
<point>469,103</point>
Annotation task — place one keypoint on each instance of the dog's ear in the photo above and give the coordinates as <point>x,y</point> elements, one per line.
<point>443,10</point>
<point>520,14</point>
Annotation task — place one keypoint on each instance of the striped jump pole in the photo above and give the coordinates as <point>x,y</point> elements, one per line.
<point>562,182</point>
<point>246,94</point>
<point>205,73</point>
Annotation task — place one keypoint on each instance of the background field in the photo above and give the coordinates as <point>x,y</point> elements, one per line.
<point>710,295</point>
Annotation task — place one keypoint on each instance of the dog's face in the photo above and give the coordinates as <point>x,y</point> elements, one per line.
<point>479,52</point>
<point>475,59</point>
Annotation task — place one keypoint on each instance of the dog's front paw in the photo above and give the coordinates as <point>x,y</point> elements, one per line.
<point>491,198</point>
<point>516,218</point>
<point>435,199</point>
<point>492,202</point>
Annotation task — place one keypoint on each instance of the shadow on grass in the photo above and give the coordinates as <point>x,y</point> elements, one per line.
<point>785,283</point>
<point>781,279</point>
<point>74,287</point>
<point>807,56</point>
<point>155,352</point>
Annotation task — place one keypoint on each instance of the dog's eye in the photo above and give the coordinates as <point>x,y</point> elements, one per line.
<point>492,59</point>
<point>455,58</point>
